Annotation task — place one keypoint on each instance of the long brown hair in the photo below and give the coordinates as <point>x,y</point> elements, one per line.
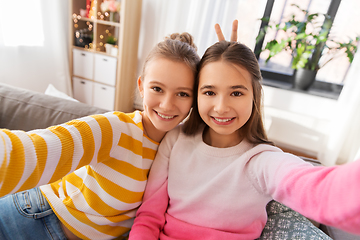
<point>238,54</point>
<point>176,47</point>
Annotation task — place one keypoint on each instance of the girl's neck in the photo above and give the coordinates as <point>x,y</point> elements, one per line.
<point>214,139</point>
<point>150,130</point>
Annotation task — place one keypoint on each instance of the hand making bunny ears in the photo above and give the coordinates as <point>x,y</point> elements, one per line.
<point>220,35</point>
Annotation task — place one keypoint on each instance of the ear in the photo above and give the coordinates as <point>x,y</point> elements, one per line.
<point>140,87</point>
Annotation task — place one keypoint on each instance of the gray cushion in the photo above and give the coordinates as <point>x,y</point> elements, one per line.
<point>22,109</point>
<point>285,223</point>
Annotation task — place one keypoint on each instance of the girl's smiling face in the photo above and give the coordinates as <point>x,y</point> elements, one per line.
<point>225,101</point>
<point>167,92</point>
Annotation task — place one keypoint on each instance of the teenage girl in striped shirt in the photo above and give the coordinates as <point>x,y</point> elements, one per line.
<point>92,171</point>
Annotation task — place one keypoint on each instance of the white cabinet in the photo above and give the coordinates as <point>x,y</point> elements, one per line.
<point>83,90</point>
<point>105,69</point>
<point>104,96</point>
<point>83,63</point>
<point>96,89</point>
<point>100,78</point>
<point>93,93</point>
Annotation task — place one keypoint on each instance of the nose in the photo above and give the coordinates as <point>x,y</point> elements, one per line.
<point>167,103</point>
<point>221,105</point>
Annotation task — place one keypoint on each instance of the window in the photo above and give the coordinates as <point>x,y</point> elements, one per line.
<point>330,78</point>
<point>21,23</point>
<point>345,26</point>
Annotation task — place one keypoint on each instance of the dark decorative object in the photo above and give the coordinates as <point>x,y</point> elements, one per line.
<point>304,78</point>
<point>83,38</point>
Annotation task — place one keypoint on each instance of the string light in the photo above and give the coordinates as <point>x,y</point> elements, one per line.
<point>109,30</point>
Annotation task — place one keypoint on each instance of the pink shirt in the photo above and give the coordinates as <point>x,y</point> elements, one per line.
<point>196,191</point>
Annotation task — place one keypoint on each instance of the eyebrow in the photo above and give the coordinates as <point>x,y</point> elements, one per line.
<point>232,87</point>
<point>162,85</point>
<point>207,87</point>
<point>239,86</point>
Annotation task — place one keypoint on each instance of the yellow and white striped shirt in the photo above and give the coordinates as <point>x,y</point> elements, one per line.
<point>97,167</point>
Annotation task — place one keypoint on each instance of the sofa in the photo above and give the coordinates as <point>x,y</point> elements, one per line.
<point>26,110</point>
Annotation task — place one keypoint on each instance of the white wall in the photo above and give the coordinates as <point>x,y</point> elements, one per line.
<point>35,67</point>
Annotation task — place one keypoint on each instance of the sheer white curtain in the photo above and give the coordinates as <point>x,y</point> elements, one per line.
<point>343,142</point>
<point>34,44</point>
<point>163,17</point>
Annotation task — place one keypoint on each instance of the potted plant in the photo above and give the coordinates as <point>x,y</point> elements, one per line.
<point>110,45</point>
<point>308,41</point>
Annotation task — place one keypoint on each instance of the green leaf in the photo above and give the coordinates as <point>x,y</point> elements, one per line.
<point>265,19</point>
<point>261,35</point>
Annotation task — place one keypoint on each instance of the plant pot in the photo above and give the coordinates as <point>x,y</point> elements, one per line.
<point>108,48</point>
<point>304,78</point>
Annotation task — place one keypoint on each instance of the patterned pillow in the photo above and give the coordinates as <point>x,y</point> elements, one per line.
<point>285,223</point>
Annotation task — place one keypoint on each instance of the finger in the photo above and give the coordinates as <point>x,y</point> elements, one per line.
<point>219,33</point>
<point>234,31</point>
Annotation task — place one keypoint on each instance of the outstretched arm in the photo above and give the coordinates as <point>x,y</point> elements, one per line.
<point>329,195</point>
<point>150,218</point>
<point>220,35</point>
<point>38,157</point>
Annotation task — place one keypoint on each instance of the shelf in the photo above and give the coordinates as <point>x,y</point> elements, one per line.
<point>92,27</point>
<point>121,60</point>
<point>77,17</point>
<point>92,50</point>
<point>104,22</point>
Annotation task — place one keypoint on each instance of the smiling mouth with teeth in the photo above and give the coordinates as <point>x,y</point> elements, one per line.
<point>223,119</point>
<point>164,116</point>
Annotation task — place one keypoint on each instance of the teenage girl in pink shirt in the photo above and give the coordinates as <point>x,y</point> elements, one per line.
<point>213,177</point>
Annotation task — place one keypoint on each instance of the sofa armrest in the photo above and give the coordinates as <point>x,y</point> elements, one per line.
<point>21,109</point>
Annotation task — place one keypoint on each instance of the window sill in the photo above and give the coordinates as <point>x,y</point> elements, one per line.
<point>319,88</point>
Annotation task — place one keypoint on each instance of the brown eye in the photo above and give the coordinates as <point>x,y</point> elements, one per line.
<point>209,93</point>
<point>156,89</point>
<point>236,94</point>
<point>183,94</point>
